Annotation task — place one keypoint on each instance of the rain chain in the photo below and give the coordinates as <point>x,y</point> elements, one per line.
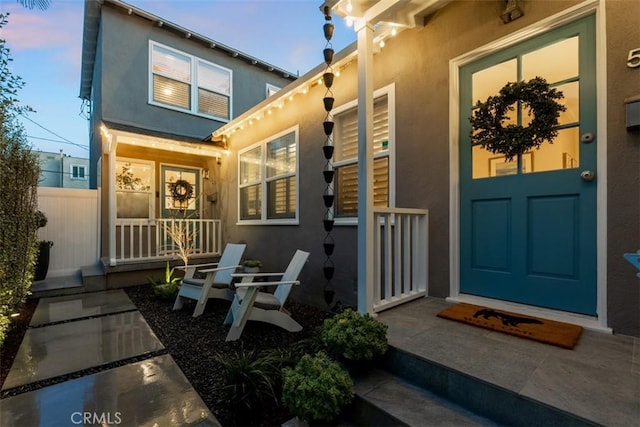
<point>327,149</point>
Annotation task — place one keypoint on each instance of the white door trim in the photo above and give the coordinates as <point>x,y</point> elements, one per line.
<point>569,15</point>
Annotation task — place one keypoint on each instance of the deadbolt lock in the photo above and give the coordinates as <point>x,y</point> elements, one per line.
<point>586,137</point>
<point>587,175</point>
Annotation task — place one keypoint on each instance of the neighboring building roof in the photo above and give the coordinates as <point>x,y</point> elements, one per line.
<point>92,11</point>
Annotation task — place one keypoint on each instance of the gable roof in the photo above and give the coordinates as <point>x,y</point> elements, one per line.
<point>91,27</point>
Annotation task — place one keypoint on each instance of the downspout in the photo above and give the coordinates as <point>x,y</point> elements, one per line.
<point>365,30</point>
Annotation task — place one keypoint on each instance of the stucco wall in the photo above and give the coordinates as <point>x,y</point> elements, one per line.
<point>623,160</point>
<point>125,62</point>
<point>417,62</point>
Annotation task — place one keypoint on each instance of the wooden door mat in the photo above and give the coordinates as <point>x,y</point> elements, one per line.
<point>535,328</point>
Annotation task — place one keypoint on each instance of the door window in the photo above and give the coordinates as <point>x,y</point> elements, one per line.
<point>558,64</point>
<point>171,205</point>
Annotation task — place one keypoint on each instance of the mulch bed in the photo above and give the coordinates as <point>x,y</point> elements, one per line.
<point>193,343</point>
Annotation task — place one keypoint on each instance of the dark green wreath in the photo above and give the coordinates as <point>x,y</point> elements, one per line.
<point>511,140</point>
<point>181,190</point>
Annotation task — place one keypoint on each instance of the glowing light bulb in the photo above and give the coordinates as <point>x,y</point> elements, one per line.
<point>349,21</point>
<point>381,44</point>
<point>394,31</point>
<point>349,6</point>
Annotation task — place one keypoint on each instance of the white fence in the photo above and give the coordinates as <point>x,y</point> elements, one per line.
<point>400,247</point>
<point>72,227</point>
<point>148,239</point>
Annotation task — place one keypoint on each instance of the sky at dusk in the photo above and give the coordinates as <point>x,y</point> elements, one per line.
<point>46,49</point>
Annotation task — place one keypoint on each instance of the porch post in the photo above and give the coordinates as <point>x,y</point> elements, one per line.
<point>110,150</point>
<point>365,166</point>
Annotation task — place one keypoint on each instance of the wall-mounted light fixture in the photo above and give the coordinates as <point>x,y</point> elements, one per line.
<point>205,173</point>
<point>512,11</point>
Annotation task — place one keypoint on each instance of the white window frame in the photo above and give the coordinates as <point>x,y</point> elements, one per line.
<point>193,84</point>
<point>152,190</point>
<point>272,89</point>
<point>78,178</point>
<point>264,181</point>
<point>390,152</point>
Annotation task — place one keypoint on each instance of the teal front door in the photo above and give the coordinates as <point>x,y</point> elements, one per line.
<point>528,227</point>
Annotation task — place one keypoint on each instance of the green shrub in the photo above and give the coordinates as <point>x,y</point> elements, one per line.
<point>19,174</point>
<point>168,287</point>
<point>355,337</point>
<point>317,389</point>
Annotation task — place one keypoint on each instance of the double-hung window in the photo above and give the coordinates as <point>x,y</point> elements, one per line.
<point>188,83</point>
<point>346,154</point>
<point>268,177</point>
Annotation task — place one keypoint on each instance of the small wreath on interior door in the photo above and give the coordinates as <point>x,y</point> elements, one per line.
<point>488,131</point>
<point>181,190</point>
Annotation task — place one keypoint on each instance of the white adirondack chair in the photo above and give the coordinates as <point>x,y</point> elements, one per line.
<point>251,304</point>
<point>216,282</point>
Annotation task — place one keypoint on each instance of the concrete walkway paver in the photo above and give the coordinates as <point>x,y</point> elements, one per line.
<point>153,392</point>
<point>58,309</point>
<point>149,392</point>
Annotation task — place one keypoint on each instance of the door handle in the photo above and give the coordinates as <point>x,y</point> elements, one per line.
<point>587,175</point>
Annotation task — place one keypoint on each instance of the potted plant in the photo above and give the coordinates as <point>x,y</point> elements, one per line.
<point>316,389</point>
<point>166,288</point>
<point>252,265</point>
<point>44,249</point>
<point>355,339</point>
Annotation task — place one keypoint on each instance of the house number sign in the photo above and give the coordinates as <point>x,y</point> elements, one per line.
<point>633,60</point>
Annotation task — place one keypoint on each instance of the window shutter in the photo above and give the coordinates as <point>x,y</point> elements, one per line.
<point>282,198</point>
<point>281,164</point>
<point>213,104</point>
<point>251,202</point>
<point>171,92</point>
<point>347,185</point>
<point>347,130</point>
<point>347,149</point>
<point>347,135</point>
<point>380,124</point>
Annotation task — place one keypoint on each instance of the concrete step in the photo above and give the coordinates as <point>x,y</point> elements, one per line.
<point>87,279</point>
<point>487,401</point>
<point>383,399</point>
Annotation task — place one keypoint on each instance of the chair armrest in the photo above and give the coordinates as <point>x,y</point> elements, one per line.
<point>211,270</point>
<point>196,266</point>
<point>259,284</point>
<point>256,274</point>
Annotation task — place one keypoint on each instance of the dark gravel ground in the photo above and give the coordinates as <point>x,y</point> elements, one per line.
<point>193,343</point>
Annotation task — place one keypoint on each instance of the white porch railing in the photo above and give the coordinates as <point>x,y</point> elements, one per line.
<point>400,248</point>
<point>147,239</point>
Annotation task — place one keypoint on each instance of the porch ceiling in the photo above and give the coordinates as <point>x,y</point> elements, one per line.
<point>404,13</point>
<point>155,142</point>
